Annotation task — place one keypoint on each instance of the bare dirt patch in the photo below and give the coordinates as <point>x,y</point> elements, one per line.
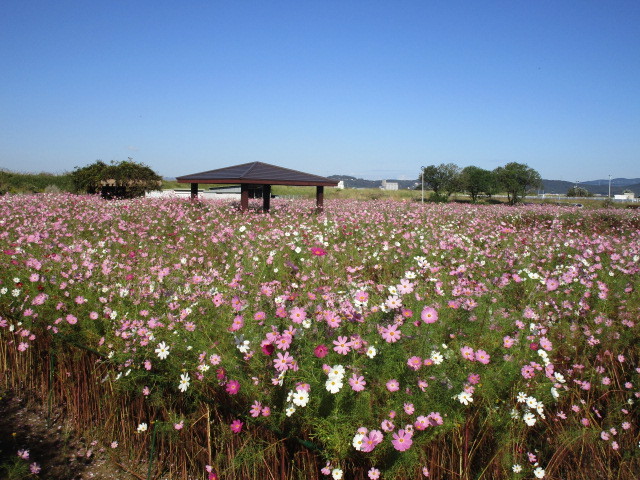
<point>60,453</point>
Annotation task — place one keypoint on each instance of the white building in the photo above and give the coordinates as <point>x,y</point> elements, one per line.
<point>389,185</point>
<point>625,196</point>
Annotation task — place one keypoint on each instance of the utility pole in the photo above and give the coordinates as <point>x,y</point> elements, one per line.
<point>609,186</point>
<point>422,178</point>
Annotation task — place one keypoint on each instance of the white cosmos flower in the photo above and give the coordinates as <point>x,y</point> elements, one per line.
<point>532,402</point>
<point>336,473</point>
<point>464,398</point>
<point>184,382</point>
<point>337,372</point>
<point>436,357</point>
<point>539,472</point>
<point>301,398</point>
<point>357,441</point>
<point>529,419</point>
<point>162,350</point>
<point>371,351</point>
<point>290,410</point>
<point>516,468</point>
<point>522,397</point>
<point>333,385</point>
<point>142,427</point>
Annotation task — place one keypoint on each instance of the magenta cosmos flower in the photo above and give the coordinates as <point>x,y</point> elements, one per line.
<point>402,440</point>
<point>236,426</point>
<point>321,351</point>
<point>429,315</point>
<point>233,387</point>
<point>318,252</point>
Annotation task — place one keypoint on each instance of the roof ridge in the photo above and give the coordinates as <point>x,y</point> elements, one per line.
<point>251,167</point>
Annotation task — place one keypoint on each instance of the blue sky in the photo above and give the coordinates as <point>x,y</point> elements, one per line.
<point>364,88</point>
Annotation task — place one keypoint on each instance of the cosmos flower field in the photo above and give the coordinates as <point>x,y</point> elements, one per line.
<point>389,339</point>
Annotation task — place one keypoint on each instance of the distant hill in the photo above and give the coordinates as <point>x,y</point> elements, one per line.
<point>597,187</point>
<point>617,182</point>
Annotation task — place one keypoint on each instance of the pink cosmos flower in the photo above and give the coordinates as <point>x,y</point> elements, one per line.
<point>508,342</point>
<point>528,371</point>
<point>467,353</point>
<point>473,378</point>
<point>297,315</point>
<point>409,408</point>
<point>414,363</point>
<point>357,383</point>
<point>421,422</point>
<point>402,440</point>
<point>255,410</point>
<point>370,440</point>
<point>390,333</point>
<point>342,345</point>
<point>393,385</point>
<point>34,468</point>
<point>318,252</point>
<point>284,342</point>
<point>435,418</point>
<point>361,296</point>
<point>387,425</point>
<point>237,324</point>
<point>483,357</point>
<point>283,362</point>
<point>429,315</point>
<point>236,426</point>
<point>373,473</point>
<point>552,284</point>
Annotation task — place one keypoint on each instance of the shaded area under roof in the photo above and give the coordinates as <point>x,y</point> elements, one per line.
<point>258,173</point>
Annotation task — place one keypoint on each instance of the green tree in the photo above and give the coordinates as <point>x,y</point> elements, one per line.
<point>443,179</point>
<point>517,179</point>
<point>476,180</point>
<point>125,179</point>
<point>576,191</point>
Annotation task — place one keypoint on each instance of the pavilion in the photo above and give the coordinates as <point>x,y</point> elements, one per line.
<point>258,174</point>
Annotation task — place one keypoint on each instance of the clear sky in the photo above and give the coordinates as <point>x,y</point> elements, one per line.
<point>366,88</point>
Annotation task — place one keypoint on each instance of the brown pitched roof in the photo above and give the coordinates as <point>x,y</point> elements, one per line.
<point>258,173</point>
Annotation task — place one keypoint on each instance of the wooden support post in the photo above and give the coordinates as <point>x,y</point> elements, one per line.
<point>319,198</point>
<point>266,198</point>
<point>244,196</point>
<point>194,191</point>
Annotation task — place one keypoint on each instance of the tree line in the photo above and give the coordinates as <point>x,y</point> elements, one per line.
<point>514,179</point>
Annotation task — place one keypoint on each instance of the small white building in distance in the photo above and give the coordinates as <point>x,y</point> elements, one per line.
<point>340,185</point>
<point>389,185</point>
<point>624,196</point>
